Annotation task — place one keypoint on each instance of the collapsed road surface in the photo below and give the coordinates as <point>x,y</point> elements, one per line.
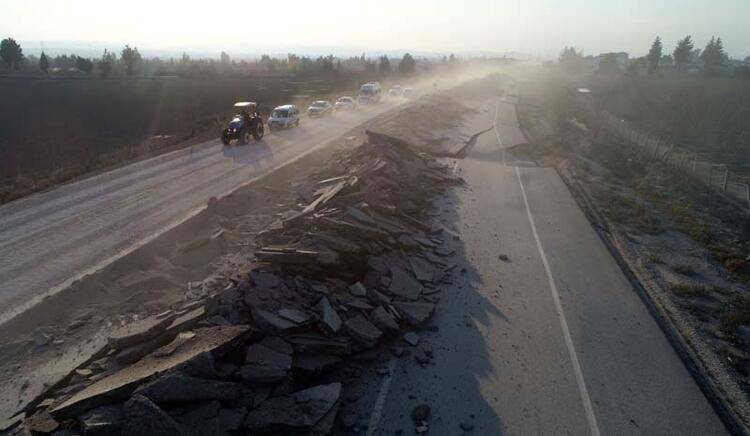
<point>544,335</point>
<point>49,239</point>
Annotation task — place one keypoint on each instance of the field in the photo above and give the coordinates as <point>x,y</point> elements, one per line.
<point>57,129</point>
<point>706,115</point>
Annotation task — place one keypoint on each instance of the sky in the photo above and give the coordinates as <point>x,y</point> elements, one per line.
<point>536,27</point>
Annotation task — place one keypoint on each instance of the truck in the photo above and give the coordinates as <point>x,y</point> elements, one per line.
<point>369,93</point>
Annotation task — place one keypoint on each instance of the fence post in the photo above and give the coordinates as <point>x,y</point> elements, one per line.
<point>695,161</point>
<point>724,183</point>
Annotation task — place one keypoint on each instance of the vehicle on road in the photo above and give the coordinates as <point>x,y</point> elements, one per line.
<point>369,93</point>
<point>408,93</point>
<point>396,91</point>
<point>345,103</point>
<point>320,108</point>
<point>284,117</point>
<point>247,124</point>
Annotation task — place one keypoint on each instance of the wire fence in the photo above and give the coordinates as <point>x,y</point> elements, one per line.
<point>651,148</point>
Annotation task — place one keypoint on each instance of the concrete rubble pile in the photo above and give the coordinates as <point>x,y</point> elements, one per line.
<point>356,265</point>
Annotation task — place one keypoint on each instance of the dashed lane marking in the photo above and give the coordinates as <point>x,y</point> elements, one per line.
<point>377,411</point>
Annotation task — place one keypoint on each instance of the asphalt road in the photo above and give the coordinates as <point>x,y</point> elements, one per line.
<point>50,239</point>
<point>552,340</point>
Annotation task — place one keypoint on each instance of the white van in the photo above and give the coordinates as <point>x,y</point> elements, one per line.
<point>369,93</point>
<point>284,117</point>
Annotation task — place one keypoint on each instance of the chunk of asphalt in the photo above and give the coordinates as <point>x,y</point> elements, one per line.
<point>139,331</point>
<point>264,365</point>
<point>358,290</point>
<point>178,388</point>
<point>296,413</point>
<point>383,320</point>
<point>330,321</point>
<point>271,322</point>
<point>411,338</point>
<point>143,417</point>
<point>362,330</point>
<point>118,386</point>
<point>403,285</point>
<point>415,313</point>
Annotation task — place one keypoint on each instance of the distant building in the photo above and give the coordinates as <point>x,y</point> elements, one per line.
<point>621,57</point>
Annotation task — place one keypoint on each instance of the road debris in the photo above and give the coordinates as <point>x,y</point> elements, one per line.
<point>330,279</point>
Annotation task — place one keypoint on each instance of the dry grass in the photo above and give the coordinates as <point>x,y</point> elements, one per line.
<point>690,290</point>
<point>738,315</point>
<point>684,269</point>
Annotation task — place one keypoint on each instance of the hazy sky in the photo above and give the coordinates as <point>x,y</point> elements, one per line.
<point>538,27</point>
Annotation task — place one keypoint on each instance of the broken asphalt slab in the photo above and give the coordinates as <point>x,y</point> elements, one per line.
<point>121,384</point>
<point>296,413</point>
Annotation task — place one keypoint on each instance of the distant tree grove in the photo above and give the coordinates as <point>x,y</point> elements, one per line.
<point>713,59</point>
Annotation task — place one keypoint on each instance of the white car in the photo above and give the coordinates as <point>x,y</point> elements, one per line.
<point>345,103</point>
<point>284,117</point>
<point>408,93</point>
<point>320,108</point>
<point>396,91</point>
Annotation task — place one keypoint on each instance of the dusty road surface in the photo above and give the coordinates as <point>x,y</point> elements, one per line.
<point>49,239</point>
<point>544,334</point>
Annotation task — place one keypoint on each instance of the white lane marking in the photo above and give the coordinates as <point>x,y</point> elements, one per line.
<point>377,411</point>
<point>497,134</point>
<point>593,426</point>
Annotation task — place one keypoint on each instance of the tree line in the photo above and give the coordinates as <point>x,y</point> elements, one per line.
<point>712,59</point>
<point>129,62</point>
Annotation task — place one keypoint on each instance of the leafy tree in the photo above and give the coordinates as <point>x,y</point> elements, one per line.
<point>130,57</point>
<point>713,55</point>
<point>224,58</point>
<point>571,60</point>
<point>654,56</point>
<point>84,65</point>
<point>44,63</point>
<point>407,65</point>
<point>107,63</point>
<point>683,52</point>
<point>11,53</point>
<point>385,65</point>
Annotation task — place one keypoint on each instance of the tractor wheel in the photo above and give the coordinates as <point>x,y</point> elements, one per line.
<point>258,132</point>
<point>225,137</point>
<point>245,136</point>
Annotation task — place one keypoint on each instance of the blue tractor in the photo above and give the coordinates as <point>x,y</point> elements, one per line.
<point>245,125</point>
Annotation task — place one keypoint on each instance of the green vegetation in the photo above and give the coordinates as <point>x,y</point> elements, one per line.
<point>11,53</point>
<point>654,56</point>
<point>681,53</point>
